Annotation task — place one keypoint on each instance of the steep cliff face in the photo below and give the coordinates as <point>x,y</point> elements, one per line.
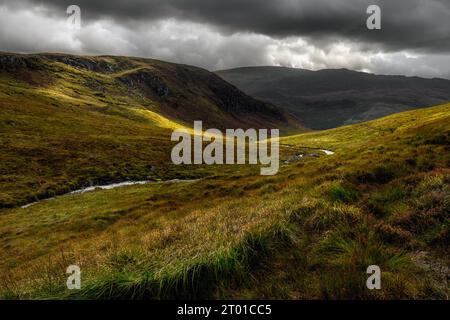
<point>145,79</point>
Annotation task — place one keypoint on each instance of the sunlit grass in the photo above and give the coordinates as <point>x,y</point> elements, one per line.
<point>308,232</point>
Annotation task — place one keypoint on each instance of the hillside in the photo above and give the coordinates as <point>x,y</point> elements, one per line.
<point>180,92</point>
<point>308,232</point>
<point>329,98</point>
<point>71,121</point>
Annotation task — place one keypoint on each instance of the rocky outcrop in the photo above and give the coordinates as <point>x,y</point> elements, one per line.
<point>84,63</point>
<point>148,80</point>
<point>13,63</point>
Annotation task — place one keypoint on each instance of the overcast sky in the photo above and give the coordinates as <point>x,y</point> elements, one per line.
<point>221,34</point>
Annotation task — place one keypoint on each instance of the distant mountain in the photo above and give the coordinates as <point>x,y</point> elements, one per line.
<point>334,97</point>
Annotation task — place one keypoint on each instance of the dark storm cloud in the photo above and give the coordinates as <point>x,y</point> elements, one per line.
<point>221,34</point>
<point>406,24</point>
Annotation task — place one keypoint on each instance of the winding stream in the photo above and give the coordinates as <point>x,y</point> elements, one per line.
<point>132,183</point>
<point>108,187</point>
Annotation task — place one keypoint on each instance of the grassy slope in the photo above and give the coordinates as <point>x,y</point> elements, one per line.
<point>69,121</point>
<point>308,232</point>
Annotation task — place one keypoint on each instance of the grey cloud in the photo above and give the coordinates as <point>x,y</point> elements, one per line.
<point>406,24</point>
<point>224,34</point>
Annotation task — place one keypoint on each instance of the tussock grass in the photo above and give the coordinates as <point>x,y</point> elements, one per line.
<point>339,193</point>
<point>197,280</point>
<point>310,232</point>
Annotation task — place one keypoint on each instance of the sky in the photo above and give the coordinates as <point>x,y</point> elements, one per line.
<point>414,38</point>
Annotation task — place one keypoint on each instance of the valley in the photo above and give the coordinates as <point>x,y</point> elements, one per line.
<point>369,193</point>
<point>69,122</point>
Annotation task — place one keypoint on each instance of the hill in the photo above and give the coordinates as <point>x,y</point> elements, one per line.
<point>71,121</point>
<point>180,92</point>
<point>309,232</point>
<point>329,98</point>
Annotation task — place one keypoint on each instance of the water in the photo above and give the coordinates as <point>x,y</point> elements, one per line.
<point>109,187</point>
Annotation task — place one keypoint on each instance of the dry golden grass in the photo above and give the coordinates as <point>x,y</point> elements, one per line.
<point>308,232</point>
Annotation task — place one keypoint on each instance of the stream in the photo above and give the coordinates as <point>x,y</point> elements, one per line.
<point>108,187</point>
<point>132,183</point>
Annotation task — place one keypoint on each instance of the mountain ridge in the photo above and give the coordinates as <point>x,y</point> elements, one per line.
<point>344,96</point>
<point>179,91</point>
<point>326,69</point>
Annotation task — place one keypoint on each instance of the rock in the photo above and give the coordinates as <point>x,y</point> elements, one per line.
<point>13,63</point>
<point>148,79</point>
<point>84,63</point>
<point>295,158</point>
<point>300,156</point>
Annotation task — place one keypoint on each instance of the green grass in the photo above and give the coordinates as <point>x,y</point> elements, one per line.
<point>339,193</point>
<point>65,127</point>
<point>308,232</point>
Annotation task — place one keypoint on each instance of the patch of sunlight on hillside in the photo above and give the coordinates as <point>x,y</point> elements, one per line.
<point>163,122</point>
<point>61,96</point>
<point>160,121</point>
